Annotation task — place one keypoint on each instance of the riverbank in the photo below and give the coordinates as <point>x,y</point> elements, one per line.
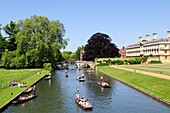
<point>157,88</point>
<point>8,92</point>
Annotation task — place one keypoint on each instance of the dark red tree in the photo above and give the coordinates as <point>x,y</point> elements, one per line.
<point>100,46</point>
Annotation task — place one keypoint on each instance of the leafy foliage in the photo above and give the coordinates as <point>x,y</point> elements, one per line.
<point>155,62</point>
<point>11,31</point>
<point>100,46</point>
<point>38,41</point>
<point>47,66</point>
<point>66,54</point>
<point>3,43</point>
<point>77,53</point>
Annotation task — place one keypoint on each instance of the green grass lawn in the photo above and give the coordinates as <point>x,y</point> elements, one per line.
<point>157,86</point>
<point>156,68</point>
<point>29,76</point>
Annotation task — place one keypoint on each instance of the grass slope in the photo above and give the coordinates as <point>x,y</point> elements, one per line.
<point>157,86</point>
<point>28,76</point>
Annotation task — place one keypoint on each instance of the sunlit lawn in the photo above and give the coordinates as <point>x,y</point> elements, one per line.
<point>157,86</point>
<point>28,76</point>
<point>156,68</point>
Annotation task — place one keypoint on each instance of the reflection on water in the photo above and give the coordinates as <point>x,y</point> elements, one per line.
<point>49,82</point>
<point>58,96</point>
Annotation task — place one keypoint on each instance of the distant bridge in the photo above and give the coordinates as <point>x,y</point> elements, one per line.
<point>79,63</point>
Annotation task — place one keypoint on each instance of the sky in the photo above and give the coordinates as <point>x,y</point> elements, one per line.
<point>123,20</point>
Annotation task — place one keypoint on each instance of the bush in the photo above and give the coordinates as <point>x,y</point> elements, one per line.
<point>102,64</point>
<point>47,66</point>
<point>144,59</point>
<point>155,62</point>
<point>99,61</point>
<point>109,61</point>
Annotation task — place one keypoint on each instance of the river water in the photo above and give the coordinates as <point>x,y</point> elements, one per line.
<point>57,96</point>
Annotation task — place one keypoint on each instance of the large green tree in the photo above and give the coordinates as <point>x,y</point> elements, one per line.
<point>38,40</point>
<point>77,53</point>
<point>99,46</point>
<point>3,43</point>
<point>66,55</point>
<point>11,31</point>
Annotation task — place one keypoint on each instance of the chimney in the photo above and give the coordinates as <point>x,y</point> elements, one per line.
<point>140,39</point>
<point>168,34</point>
<point>147,37</point>
<point>154,36</point>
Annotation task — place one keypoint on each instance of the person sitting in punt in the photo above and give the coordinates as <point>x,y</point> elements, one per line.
<point>30,96</point>
<point>85,103</point>
<point>66,73</point>
<point>22,97</point>
<point>80,102</point>
<point>83,99</point>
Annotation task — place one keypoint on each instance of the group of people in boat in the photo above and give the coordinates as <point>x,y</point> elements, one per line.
<point>82,76</point>
<point>103,84</point>
<point>81,100</point>
<point>26,97</point>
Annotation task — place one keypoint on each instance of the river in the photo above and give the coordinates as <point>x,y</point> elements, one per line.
<point>57,96</point>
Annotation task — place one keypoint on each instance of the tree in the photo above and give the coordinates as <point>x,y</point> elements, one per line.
<point>38,41</point>
<point>66,54</point>
<point>72,56</point>
<point>11,31</point>
<point>3,43</point>
<point>100,46</point>
<point>77,53</point>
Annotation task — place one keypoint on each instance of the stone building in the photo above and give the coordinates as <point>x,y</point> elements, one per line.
<point>158,48</point>
<point>81,55</point>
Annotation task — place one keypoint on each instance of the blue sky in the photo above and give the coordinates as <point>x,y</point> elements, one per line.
<point>123,20</point>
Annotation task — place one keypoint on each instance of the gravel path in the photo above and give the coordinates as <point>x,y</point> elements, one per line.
<point>143,72</point>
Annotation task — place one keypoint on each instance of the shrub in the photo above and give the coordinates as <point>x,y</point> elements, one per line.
<point>47,66</point>
<point>102,64</point>
<point>99,61</point>
<point>155,62</point>
<point>109,61</point>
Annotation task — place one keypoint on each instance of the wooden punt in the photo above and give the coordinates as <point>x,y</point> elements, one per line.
<point>24,99</point>
<point>28,90</point>
<point>47,78</point>
<point>104,84</point>
<point>80,79</point>
<point>84,104</point>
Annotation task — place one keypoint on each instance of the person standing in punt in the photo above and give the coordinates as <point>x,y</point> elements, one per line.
<point>66,74</point>
<point>49,74</point>
<point>82,76</point>
<point>101,78</point>
<point>77,93</point>
<point>34,89</point>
